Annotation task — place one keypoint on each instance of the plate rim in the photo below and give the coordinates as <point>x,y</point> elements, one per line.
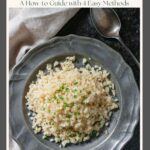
<point>132,126</point>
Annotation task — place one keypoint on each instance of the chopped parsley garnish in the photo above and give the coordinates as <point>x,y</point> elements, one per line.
<point>45,137</point>
<point>84,97</point>
<point>71,104</point>
<point>65,105</point>
<point>76,82</point>
<point>58,101</point>
<point>76,113</point>
<point>55,97</point>
<point>68,115</point>
<point>67,89</point>
<point>75,96</point>
<point>61,97</point>
<point>62,86</point>
<point>75,90</point>
<point>93,133</point>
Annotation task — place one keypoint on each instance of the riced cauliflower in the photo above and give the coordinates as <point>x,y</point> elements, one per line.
<point>71,103</point>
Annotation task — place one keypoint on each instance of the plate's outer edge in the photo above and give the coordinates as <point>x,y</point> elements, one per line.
<point>123,69</point>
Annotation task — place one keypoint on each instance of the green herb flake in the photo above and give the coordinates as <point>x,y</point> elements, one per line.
<point>65,105</point>
<point>68,115</point>
<point>75,90</point>
<point>45,137</point>
<point>62,87</point>
<point>76,82</point>
<point>61,97</point>
<point>67,89</point>
<point>84,97</point>
<point>76,113</point>
<point>75,96</point>
<point>71,104</point>
<point>94,133</point>
<point>55,97</point>
<point>57,102</point>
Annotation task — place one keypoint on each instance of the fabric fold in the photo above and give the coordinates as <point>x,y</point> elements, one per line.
<point>28,26</point>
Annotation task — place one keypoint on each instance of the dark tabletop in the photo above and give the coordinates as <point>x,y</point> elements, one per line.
<point>81,24</point>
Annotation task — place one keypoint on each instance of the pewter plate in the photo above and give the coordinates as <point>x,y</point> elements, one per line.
<point>123,121</point>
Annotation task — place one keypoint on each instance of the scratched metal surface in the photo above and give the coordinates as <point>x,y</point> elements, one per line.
<point>123,121</point>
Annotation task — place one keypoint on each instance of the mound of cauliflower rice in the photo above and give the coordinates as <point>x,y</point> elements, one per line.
<point>68,103</point>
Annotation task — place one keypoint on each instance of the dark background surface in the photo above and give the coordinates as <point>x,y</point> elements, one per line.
<point>81,24</point>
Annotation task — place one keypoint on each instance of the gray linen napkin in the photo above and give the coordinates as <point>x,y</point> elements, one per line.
<point>29,26</point>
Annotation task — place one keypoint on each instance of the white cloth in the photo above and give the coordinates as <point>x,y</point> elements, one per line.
<point>29,26</point>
